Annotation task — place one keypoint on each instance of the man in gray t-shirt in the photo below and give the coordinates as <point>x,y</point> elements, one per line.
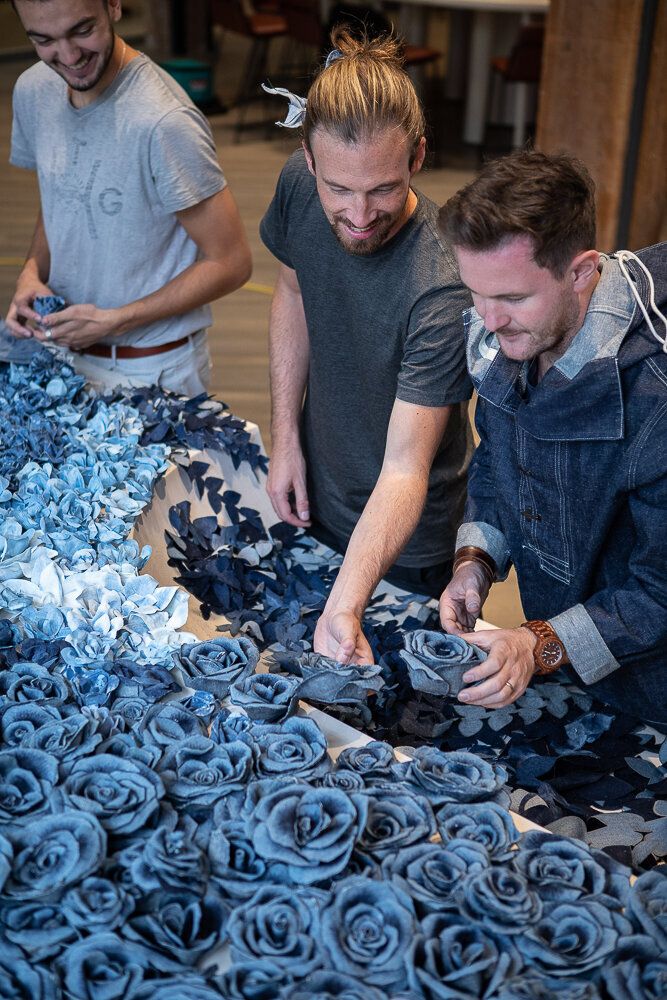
<point>366,325</point>
<point>137,229</point>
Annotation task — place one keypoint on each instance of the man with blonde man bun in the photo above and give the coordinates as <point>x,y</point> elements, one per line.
<point>369,390</point>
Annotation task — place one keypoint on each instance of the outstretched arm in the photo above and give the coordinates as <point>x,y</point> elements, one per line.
<point>31,283</point>
<point>386,525</point>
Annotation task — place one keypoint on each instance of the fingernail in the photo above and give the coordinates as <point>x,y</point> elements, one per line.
<point>304,515</point>
<point>468,678</point>
<point>463,696</point>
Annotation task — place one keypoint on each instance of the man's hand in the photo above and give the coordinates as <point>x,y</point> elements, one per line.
<point>462,599</point>
<point>286,485</point>
<point>340,637</point>
<point>20,313</point>
<point>77,327</point>
<point>505,673</point>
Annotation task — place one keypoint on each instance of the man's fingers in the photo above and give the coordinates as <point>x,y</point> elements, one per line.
<point>301,503</point>
<point>473,601</point>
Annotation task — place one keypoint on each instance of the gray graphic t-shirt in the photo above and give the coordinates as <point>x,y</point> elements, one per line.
<point>111,176</point>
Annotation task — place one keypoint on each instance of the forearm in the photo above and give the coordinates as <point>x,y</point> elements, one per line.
<point>382,532</point>
<point>38,260</point>
<point>289,355</point>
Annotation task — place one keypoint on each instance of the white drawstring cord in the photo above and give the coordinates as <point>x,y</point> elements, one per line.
<point>622,256</point>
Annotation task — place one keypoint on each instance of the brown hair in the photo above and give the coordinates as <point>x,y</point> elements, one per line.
<point>363,92</point>
<point>549,198</point>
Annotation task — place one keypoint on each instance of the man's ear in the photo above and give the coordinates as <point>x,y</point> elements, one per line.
<point>115,9</point>
<point>310,162</point>
<point>584,268</point>
<point>418,157</point>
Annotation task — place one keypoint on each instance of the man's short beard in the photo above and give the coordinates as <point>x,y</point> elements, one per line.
<point>363,248</point>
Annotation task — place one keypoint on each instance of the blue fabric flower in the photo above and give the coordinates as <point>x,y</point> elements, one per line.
<point>236,867</point>
<point>430,873</point>
<point>500,900</point>
<point>573,938</point>
<point>396,819</point>
<point>199,772</point>
<point>367,929</point>
<point>216,664</point>
<point>123,793</point>
<point>40,930</point>
<point>166,724</point>
<point>437,661</point>
<point>373,760</point>
<point>297,748</point>
<point>54,853</point>
<point>21,980</point>
<point>636,970</point>
<point>483,822</point>
<point>186,928</point>
<point>533,987</point>
<point>27,779</point>
<point>454,959</point>
<point>67,739</point>
<point>312,831</point>
<point>6,853</point>
<point>104,967</point>
<point>280,925</point>
<point>168,859</point>
<point>346,780</point>
<point>97,904</point>
<point>30,682</point>
<point>19,721</point>
<point>325,680</point>
<point>266,697</point>
<point>564,870</point>
<point>647,907</point>
<point>333,986</point>
<point>457,776</point>
<point>259,979</point>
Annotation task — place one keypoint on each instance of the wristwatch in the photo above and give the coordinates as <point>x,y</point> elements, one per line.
<point>550,653</point>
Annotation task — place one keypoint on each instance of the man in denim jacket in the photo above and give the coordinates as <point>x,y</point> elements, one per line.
<point>566,348</point>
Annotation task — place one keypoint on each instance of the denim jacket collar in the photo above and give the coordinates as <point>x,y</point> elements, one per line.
<point>580,397</point>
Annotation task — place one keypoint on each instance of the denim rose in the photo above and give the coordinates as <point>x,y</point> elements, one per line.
<point>236,867</point>
<point>500,900</point>
<point>123,793</point>
<point>170,858</point>
<point>312,831</point>
<point>564,870</point>
<point>183,986</point>
<point>573,938</point>
<point>20,980</point>
<point>259,979</point>
<point>326,680</point>
<point>367,929</point>
<point>281,925</point>
<point>198,772</point>
<point>166,724</point>
<point>6,854</point>
<point>104,967</point>
<point>437,661</point>
<point>373,760</point>
<point>297,748</point>
<point>396,819</point>
<point>636,970</point>
<point>216,664</point>
<point>452,958</point>
<point>97,904</point>
<point>52,853</point>
<point>457,776</point>
<point>229,727</point>
<point>27,780</point>
<point>647,906</point>
<point>333,986</point>
<point>181,926</point>
<point>266,697</point>
<point>33,683</point>
<point>486,823</point>
<point>47,622</point>
<point>347,781</point>
<point>19,722</point>
<point>67,739</point>
<point>430,873</point>
<point>41,930</point>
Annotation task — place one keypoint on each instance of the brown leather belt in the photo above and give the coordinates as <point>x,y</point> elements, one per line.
<point>123,351</point>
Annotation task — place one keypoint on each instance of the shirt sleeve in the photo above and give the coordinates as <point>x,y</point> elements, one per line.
<point>433,369</point>
<point>183,160</point>
<point>22,153</point>
<point>273,227</point>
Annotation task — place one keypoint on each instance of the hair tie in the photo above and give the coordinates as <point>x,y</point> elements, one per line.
<point>296,112</point>
<point>333,55</point>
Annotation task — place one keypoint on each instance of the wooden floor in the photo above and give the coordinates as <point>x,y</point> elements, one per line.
<point>240,321</point>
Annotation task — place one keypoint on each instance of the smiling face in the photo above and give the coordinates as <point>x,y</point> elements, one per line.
<point>532,312</point>
<point>364,187</point>
<point>75,38</point>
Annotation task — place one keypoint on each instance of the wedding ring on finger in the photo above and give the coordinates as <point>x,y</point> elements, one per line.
<point>510,686</point>
<point>48,333</point>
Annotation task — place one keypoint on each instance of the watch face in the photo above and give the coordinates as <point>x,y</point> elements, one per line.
<point>551,653</point>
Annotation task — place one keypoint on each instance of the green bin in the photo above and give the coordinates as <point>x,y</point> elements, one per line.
<point>195,77</point>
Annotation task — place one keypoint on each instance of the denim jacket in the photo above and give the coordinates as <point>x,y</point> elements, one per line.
<point>569,483</point>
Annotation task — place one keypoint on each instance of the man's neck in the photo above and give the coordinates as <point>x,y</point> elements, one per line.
<point>548,358</point>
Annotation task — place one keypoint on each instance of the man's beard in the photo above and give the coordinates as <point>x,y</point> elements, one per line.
<point>362,248</point>
<point>84,85</point>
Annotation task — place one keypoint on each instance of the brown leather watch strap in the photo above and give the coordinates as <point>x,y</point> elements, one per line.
<point>471,553</point>
<point>550,653</point>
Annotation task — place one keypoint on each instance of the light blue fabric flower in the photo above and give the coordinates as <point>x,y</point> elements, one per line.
<point>280,925</point>
<point>437,661</point>
<point>484,823</point>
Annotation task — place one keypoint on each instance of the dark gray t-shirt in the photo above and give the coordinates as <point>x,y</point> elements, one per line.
<point>381,327</point>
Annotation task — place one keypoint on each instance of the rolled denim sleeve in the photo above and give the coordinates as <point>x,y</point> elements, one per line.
<point>481,524</point>
<point>624,626</point>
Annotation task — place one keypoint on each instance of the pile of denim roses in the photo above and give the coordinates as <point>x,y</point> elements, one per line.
<point>156,844</point>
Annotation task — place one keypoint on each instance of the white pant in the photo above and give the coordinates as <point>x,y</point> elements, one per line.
<point>185,370</point>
